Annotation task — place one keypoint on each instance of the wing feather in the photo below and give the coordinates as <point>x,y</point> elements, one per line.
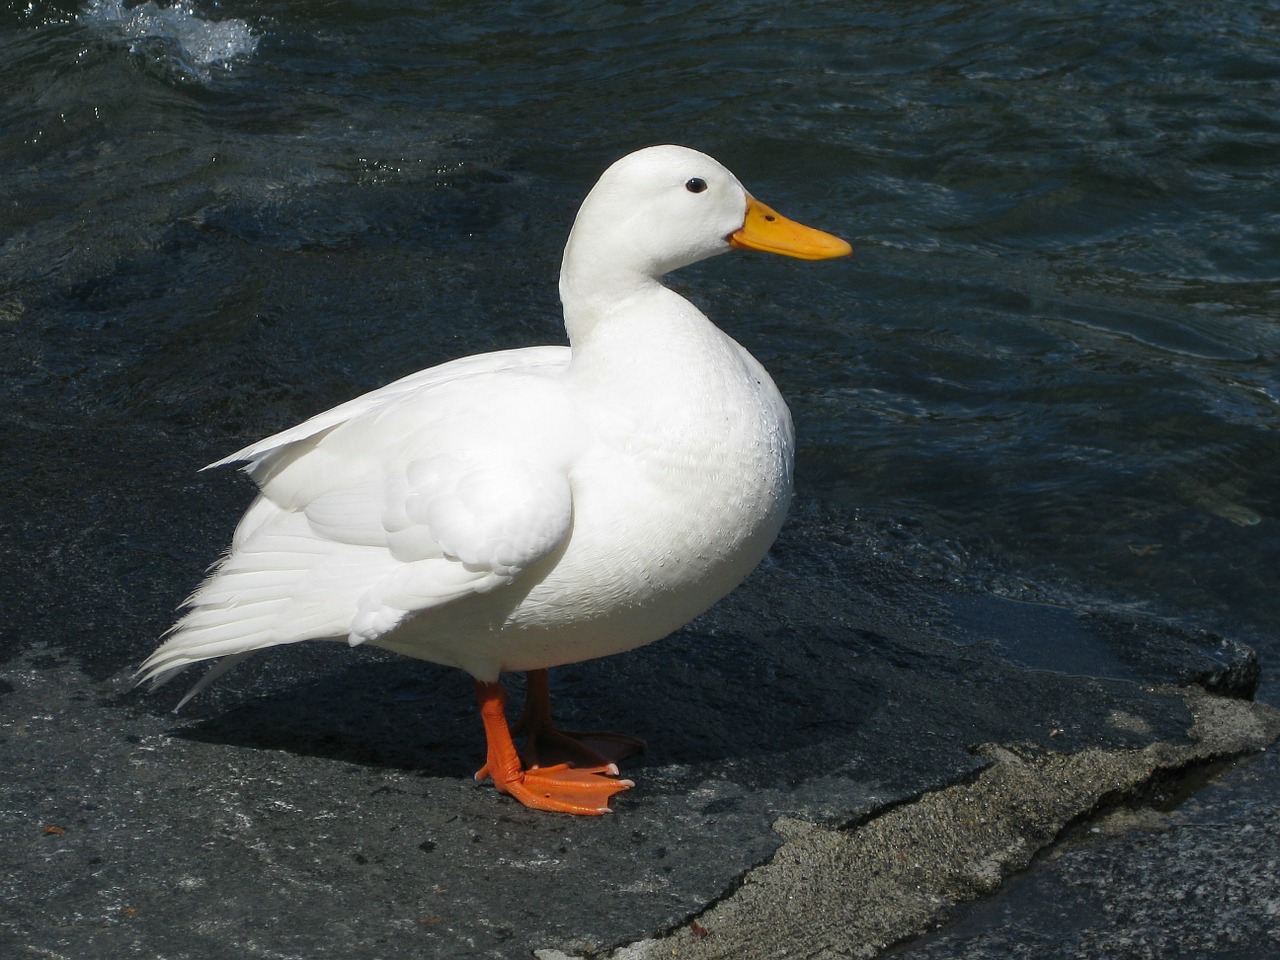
<point>428,490</point>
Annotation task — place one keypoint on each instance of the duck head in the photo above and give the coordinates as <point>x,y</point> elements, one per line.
<point>665,207</point>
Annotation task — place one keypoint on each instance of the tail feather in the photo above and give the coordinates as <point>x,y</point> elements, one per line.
<point>210,675</point>
<point>281,586</point>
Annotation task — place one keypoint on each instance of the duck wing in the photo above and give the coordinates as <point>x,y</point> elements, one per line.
<point>444,484</point>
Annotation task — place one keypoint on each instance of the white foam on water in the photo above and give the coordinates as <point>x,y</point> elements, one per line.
<point>195,43</point>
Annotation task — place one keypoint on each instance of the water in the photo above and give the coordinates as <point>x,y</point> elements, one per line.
<point>1050,370</point>
<point>178,36</point>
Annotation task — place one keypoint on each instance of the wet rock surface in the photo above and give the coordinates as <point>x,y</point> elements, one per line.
<point>854,892</point>
<point>847,734</point>
<point>1198,879</point>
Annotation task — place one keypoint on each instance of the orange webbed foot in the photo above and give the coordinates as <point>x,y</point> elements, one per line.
<point>566,789</point>
<point>546,744</point>
<point>593,748</point>
<point>562,787</point>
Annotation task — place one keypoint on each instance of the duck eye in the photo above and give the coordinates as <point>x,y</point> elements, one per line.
<point>696,185</point>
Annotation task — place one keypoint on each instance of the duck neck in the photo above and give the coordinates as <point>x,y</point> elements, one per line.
<point>595,286</point>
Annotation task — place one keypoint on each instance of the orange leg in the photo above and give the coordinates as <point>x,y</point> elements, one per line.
<point>546,743</point>
<point>559,788</point>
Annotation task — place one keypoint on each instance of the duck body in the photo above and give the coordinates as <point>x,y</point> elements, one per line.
<point>528,508</point>
<point>651,519</point>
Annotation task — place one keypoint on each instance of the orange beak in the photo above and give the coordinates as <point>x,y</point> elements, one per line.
<point>766,229</point>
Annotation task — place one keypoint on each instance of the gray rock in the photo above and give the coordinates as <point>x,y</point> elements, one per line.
<point>846,730</point>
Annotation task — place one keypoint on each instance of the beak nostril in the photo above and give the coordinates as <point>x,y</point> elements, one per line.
<point>766,229</point>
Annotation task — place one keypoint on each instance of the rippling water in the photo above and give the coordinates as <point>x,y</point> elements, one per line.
<point>1049,371</point>
<point>1055,350</point>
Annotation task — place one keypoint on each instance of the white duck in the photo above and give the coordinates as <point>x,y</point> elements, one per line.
<point>533,507</point>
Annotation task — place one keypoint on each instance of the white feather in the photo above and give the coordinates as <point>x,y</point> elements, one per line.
<point>521,509</point>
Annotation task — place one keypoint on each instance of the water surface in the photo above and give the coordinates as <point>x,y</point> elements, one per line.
<point>1050,371</point>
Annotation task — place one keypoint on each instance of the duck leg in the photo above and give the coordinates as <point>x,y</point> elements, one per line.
<point>546,743</point>
<point>559,788</point>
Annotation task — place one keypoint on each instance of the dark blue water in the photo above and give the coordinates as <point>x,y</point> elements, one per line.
<point>1050,370</point>
<point>1056,346</point>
